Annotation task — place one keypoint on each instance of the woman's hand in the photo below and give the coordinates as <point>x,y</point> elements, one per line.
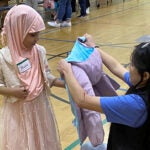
<point>89,40</point>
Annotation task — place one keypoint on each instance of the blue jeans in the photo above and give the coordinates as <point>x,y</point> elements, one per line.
<point>64,11</point>
<point>82,4</point>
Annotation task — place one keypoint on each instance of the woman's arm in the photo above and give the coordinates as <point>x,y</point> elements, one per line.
<point>111,63</point>
<point>77,92</point>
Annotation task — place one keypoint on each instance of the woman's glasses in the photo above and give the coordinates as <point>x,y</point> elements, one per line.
<point>145,45</point>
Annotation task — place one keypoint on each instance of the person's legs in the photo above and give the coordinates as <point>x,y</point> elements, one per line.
<point>67,18</point>
<point>87,6</point>
<point>87,3</point>
<point>63,14</point>
<point>60,14</point>
<point>61,10</point>
<point>82,7</point>
<point>68,10</point>
<point>73,5</point>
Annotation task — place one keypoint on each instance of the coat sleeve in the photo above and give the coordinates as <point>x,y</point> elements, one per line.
<point>89,122</point>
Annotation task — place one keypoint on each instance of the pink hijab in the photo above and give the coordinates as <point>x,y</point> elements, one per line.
<point>19,21</point>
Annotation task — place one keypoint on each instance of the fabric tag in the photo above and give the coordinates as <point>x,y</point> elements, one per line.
<point>24,65</point>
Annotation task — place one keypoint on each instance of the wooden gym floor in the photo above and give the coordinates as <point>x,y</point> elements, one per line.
<point>116,28</point>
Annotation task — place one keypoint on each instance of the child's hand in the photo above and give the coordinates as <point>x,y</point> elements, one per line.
<point>19,92</point>
<point>64,67</point>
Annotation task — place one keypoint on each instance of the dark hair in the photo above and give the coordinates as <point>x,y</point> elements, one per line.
<point>140,58</point>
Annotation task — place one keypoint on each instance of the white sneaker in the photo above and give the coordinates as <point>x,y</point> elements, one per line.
<point>53,24</point>
<point>66,24</point>
<point>88,10</point>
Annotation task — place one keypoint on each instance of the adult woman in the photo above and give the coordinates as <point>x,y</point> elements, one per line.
<point>129,114</point>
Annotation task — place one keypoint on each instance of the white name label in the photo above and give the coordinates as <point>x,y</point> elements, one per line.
<point>24,65</point>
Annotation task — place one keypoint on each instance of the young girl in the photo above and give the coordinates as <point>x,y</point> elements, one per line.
<point>27,118</point>
<point>129,113</point>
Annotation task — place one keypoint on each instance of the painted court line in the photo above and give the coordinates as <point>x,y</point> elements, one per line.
<point>75,143</point>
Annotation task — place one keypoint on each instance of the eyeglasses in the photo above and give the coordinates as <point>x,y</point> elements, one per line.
<point>145,45</point>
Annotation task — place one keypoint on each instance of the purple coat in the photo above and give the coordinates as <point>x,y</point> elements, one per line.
<point>90,75</point>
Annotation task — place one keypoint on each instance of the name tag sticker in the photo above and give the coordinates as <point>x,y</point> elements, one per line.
<point>24,65</point>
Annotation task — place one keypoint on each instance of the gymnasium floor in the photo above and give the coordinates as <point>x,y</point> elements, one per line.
<point>115,28</point>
